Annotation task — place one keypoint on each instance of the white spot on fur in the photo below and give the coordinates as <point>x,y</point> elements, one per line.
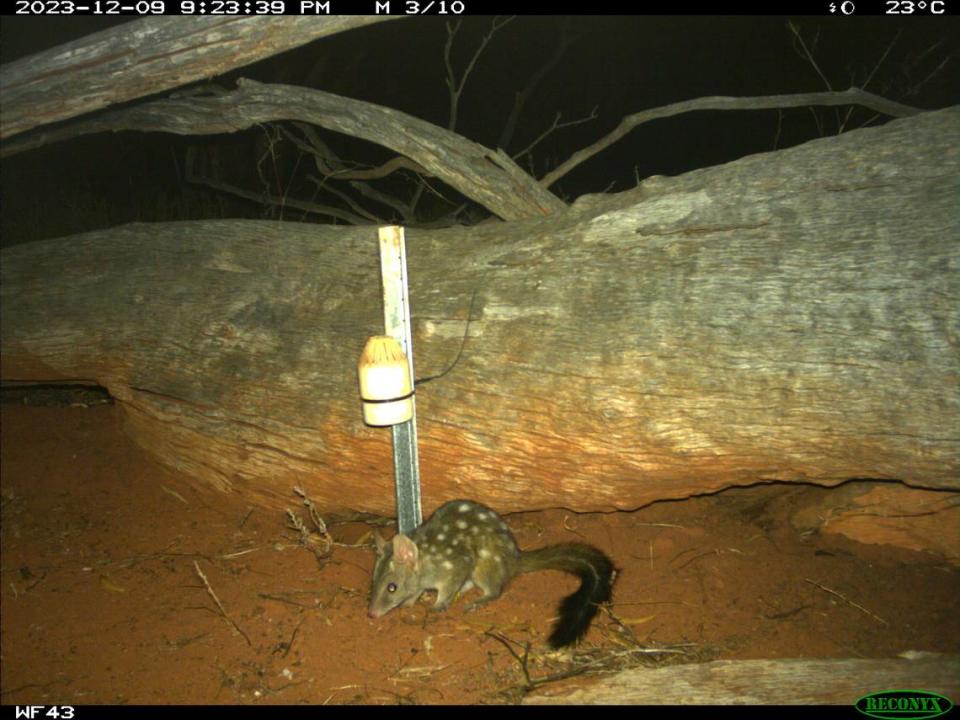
<point>441,537</point>
<point>463,507</point>
<point>484,553</point>
<point>462,524</point>
<point>448,565</point>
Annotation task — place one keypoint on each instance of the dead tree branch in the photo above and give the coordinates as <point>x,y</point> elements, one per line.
<point>267,199</point>
<point>554,126</point>
<point>453,85</point>
<point>853,96</point>
<point>472,169</point>
<point>521,97</point>
<point>145,57</point>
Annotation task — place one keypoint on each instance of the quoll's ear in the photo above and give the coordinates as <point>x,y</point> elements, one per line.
<point>404,550</point>
<point>381,543</point>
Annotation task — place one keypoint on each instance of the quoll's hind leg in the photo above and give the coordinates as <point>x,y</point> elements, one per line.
<point>491,578</point>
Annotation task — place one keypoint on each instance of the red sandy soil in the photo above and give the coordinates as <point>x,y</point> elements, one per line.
<point>103,599</point>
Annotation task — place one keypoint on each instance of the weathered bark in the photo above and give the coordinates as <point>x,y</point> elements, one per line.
<point>787,316</point>
<point>144,57</point>
<point>764,682</point>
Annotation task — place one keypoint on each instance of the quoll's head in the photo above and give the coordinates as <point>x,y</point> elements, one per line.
<point>395,574</point>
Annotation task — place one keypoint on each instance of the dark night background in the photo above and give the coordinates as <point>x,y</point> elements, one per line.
<point>621,65</point>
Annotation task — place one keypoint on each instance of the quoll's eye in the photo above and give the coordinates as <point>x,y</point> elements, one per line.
<point>392,588</point>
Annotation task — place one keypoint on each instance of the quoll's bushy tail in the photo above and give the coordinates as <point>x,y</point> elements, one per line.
<point>596,573</point>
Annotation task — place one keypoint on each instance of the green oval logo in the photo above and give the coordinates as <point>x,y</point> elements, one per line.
<point>903,705</point>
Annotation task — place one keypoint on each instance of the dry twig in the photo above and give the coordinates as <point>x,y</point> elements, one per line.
<point>219,604</point>
<point>847,600</point>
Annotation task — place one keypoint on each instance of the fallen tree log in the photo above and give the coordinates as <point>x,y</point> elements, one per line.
<point>764,682</point>
<point>788,316</point>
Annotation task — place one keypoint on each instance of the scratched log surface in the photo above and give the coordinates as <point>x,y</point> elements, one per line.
<point>788,316</point>
<point>767,682</point>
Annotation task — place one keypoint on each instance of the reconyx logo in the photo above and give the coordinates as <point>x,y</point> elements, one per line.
<point>903,705</point>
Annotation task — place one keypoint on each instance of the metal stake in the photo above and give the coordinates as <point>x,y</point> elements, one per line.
<point>396,322</point>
